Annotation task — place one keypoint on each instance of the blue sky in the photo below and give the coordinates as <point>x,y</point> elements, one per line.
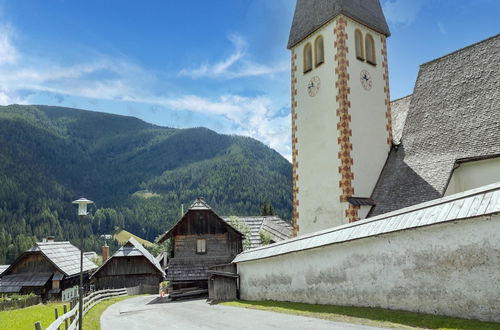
<point>221,64</point>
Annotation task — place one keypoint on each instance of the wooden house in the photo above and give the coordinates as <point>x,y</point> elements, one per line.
<point>130,266</point>
<point>200,239</point>
<point>46,269</point>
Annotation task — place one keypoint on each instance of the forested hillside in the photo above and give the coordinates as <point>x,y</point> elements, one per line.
<point>138,175</point>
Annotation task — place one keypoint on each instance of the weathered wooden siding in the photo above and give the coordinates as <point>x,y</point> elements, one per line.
<point>127,281</point>
<point>222,288</point>
<point>33,263</point>
<point>127,266</point>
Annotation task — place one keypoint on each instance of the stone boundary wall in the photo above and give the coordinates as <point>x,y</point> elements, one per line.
<point>450,268</point>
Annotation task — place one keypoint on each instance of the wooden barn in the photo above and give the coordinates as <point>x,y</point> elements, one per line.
<point>46,269</point>
<point>200,240</point>
<point>132,265</point>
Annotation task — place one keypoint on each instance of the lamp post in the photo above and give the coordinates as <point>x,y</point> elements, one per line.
<point>82,211</point>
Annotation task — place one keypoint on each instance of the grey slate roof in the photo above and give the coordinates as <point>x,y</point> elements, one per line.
<point>399,112</point>
<point>453,114</point>
<point>64,255</point>
<point>14,282</point>
<point>458,207</point>
<point>133,249</point>
<point>277,228</point>
<point>310,15</point>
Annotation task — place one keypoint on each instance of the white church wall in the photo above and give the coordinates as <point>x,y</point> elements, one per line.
<point>450,269</point>
<point>368,115</point>
<point>474,174</point>
<point>317,157</point>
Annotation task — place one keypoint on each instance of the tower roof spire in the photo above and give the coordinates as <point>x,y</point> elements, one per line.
<point>310,15</point>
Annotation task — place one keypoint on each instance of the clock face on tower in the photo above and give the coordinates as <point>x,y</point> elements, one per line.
<point>366,80</point>
<point>313,86</point>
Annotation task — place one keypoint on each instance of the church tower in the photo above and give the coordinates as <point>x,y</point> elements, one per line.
<point>341,120</point>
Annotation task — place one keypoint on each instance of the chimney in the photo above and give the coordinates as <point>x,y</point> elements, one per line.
<point>105,253</point>
<point>49,239</point>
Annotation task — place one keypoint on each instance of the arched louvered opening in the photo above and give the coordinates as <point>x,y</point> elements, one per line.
<point>319,51</point>
<point>308,58</point>
<point>370,49</point>
<point>358,39</point>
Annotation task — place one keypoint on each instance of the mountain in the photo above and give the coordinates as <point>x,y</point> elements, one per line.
<point>138,175</point>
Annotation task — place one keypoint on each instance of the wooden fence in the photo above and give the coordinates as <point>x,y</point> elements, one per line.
<point>19,303</point>
<point>70,319</point>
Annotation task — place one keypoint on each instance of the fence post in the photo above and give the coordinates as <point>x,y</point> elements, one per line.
<point>65,309</point>
<point>38,326</point>
<point>56,312</point>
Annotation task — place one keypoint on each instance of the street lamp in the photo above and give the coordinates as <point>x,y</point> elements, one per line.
<point>82,211</point>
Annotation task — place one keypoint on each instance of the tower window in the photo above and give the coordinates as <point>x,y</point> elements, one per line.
<point>308,58</point>
<point>370,49</point>
<point>319,51</point>
<point>358,39</point>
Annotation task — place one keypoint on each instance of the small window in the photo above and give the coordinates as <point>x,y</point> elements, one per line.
<point>201,246</point>
<point>319,51</point>
<point>358,39</point>
<point>308,58</point>
<point>370,49</point>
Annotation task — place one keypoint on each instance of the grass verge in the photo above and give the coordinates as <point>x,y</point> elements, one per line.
<point>377,317</point>
<point>25,318</point>
<point>92,320</point>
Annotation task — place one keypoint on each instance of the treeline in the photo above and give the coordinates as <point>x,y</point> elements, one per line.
<point>137,174</point>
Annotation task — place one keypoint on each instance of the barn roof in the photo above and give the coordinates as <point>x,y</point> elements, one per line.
<point>453,114</point>
<point>133,249</point>
<point>198,204</point>
<point>310,15</point>
<point>462,206</point>
<point>273,225</point>
<point>63,255</point>
<point>15,282</point>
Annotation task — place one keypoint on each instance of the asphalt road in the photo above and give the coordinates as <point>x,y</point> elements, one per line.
<point>145,312</point>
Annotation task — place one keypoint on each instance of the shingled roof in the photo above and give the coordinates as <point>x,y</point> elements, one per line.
<point>310,15</point>
<point>134,249</point>
<point>453,114</point>
<point>277,228</point>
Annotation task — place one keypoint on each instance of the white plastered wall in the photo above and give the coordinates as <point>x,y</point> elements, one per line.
<point>317,135</point>
<point>474,174</point>
<point>368,121</point>
<point>318,177</point>
<point>448,269</point>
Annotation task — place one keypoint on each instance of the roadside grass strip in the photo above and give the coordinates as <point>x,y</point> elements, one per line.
<point>25,318</point>
<point>376,317</point>
<point>92,320</point>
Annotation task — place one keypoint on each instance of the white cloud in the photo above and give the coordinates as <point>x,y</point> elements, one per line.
<point>106,78</point>
<point>402,11</point>
<point>8,53</point>
<point>234,66</point>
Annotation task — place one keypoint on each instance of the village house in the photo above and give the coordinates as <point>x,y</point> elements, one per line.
<point>199,240</point>
<point>132,265</point>
<point>46,269</point>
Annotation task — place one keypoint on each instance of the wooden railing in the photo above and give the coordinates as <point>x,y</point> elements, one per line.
<point>70,319</point>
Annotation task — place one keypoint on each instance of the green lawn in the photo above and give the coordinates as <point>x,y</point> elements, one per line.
<point>92,320</point>
<point>25,318</point>
<point>368,316</point>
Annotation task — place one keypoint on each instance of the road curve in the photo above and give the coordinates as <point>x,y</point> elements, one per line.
<point>145,312</point>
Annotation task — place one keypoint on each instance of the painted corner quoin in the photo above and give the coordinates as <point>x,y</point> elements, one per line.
<point>295,164</point>
<point>343,125</point>
<point>387,90</point>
